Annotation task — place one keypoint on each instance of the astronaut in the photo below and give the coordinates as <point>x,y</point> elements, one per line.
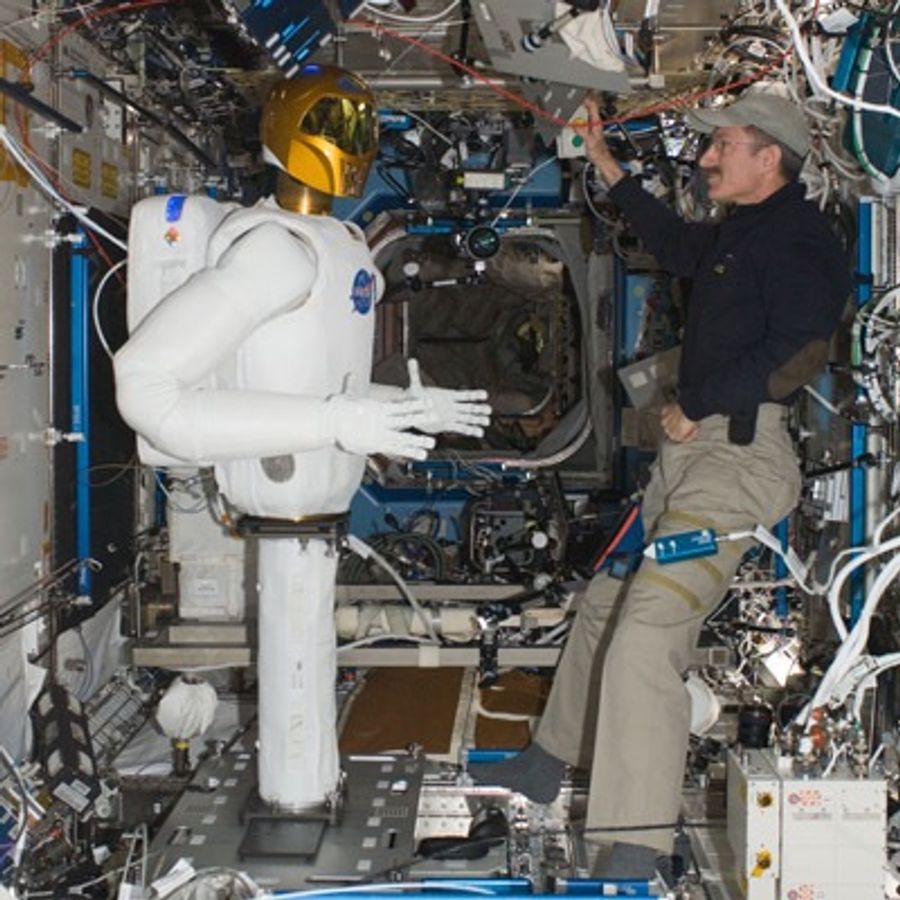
<point>260,365</point>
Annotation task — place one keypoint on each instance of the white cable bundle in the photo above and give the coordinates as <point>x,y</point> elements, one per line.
<point>19,153</point>
<point>854,643</point>
<point>187,708</point>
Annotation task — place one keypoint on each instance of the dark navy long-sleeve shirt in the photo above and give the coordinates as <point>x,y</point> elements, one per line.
<point>770,282</point>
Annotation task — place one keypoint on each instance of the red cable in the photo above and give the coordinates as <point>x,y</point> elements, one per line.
<point>415,42</point>
<point>96,14</point>
<point>633,513</point>
<point>672,103</point>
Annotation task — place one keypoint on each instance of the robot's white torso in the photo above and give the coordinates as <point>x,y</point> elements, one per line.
<point>313,346</point>
<point>321,348</point>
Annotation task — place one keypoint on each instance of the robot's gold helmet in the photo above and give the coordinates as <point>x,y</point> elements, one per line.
<point>322,129</point>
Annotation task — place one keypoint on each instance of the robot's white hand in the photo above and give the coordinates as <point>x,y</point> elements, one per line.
<point>363,426</point>
<point>458,411</point>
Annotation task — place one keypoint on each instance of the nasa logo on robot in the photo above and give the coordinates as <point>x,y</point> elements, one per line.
<point>363,293</point>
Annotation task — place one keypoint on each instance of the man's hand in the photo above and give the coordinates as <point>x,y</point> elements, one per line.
<point>362,426</point>
<point>457,411</point>
<point>595,146</point>
<point>677,426</point>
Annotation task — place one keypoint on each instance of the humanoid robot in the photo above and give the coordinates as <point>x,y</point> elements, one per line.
<point>260,365</point>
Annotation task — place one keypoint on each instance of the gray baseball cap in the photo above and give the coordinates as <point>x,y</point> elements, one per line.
<point>771,113</point>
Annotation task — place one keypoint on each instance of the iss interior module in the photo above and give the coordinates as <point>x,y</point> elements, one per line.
<point>393,390</point>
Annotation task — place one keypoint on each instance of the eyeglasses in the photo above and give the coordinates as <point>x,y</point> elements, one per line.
<point>719,144</point>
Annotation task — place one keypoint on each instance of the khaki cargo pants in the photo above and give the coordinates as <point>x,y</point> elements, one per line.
<point>618,701</point>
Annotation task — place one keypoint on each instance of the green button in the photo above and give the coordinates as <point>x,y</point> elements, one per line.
<point>577,141</point>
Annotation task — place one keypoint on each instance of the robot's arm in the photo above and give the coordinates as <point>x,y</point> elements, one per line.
<point>160,371</point>
<point>463,412</point>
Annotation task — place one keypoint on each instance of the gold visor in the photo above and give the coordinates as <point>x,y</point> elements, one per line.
<point>348,124</point>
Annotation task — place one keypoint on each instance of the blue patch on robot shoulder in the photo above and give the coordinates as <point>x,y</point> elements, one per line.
<point>363,293</point>
<point>174,207</point>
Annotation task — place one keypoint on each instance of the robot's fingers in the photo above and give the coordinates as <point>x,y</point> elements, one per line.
<point>469,396</point>
<point>413,445</point>
<point>467,418</point>
<point>477,412</point>
<point>470,430</point>
<point>415,378</point>
<point>350,385</point>
<point>406,453</point>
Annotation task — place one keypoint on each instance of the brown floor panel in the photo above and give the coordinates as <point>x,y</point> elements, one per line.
<point>403,706</point>
<point>397,707</point>
<point>515,692</point>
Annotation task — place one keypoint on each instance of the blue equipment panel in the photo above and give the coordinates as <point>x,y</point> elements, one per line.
<point>865,71</point>
<point>880,132</point>
<point>688,545</point>
<point>289,30</point>
<point>376,510</point>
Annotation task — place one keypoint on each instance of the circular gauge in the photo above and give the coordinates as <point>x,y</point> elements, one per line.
<point>481,242</point>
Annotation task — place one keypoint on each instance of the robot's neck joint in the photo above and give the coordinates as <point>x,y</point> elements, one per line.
<point>301,198</point>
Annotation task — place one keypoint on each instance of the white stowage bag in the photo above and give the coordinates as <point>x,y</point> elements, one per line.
<point>705,706</point>
<point>591,39</point>
<point>187,708</point>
